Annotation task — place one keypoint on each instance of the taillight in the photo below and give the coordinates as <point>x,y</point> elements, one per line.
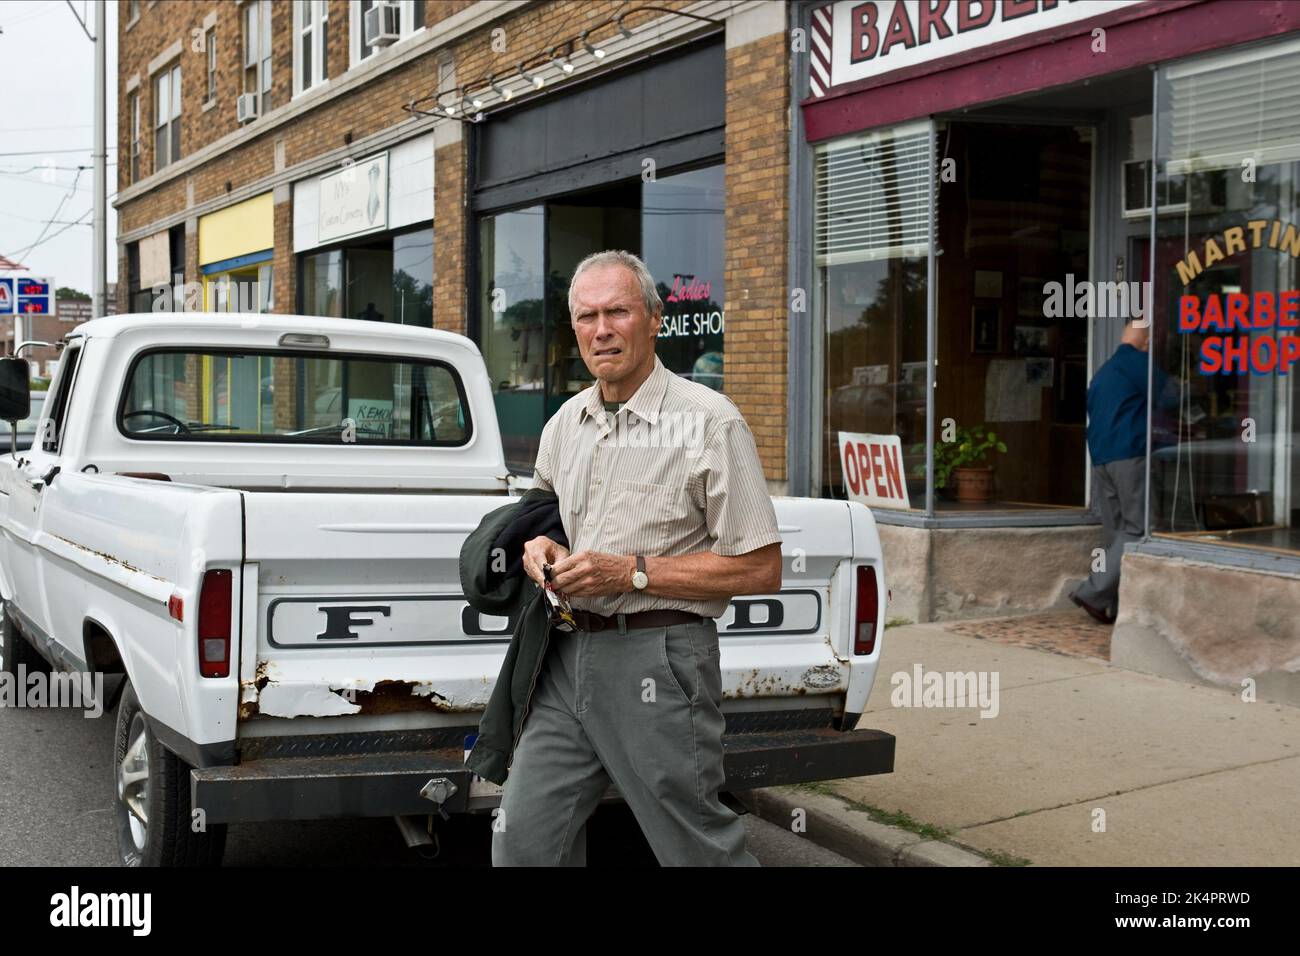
<point>866,607</point>
<point>214,624</point>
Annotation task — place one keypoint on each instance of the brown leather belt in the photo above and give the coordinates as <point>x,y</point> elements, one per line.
<point>589,621</point>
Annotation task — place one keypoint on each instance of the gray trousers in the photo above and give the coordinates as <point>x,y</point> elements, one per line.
<point>1118,494</point>
<point>640,709</point>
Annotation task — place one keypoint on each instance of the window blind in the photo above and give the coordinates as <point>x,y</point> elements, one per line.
<point>1222,110</point>
<point>873,196</point>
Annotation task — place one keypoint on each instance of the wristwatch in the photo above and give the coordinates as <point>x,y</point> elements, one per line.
<point>639,580</point>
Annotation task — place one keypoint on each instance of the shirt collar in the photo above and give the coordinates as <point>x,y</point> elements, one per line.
<point>645,403</point>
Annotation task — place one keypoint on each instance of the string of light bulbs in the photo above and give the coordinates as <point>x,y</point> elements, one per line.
<point>465,102</point>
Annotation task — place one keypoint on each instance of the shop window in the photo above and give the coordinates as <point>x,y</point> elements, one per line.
<point>322,283</point>
<point>1225,455</point>
<point>167,117</point>
<point>138,299</point>
<point>683,241</point>
<point>176,253</point>
<point>310,44</point>
<point>871,240</point>
<point>513,329</point>
<point>1012,356</point>
<point>528,257</point>
<point>379,279</point>
<point>240,290</point>
<point>413,278</point>
<point>257,51</point>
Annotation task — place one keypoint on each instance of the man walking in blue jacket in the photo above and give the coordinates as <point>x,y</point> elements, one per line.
<point>1117,441</point>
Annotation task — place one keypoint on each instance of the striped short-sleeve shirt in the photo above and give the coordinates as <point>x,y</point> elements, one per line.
<point>675,472</point>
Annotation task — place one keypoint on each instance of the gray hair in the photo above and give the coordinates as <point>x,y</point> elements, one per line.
<point>619,257</point>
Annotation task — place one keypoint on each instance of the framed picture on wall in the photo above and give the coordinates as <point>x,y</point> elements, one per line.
<point>1031,340</point>
<point>1030,296</point>
<point>985,327</point>
<point>988,284</point>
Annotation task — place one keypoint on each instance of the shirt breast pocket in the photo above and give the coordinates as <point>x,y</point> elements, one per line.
<point>646,518</point>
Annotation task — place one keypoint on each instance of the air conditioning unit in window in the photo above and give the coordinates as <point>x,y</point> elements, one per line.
<point>1137,191</point>
<point>247,107</point>
<point>382,25</point>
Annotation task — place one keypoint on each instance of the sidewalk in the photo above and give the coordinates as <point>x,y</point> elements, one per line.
<point>1185,775</point>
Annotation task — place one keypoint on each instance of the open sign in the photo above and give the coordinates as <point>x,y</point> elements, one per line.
<point>873,470</point>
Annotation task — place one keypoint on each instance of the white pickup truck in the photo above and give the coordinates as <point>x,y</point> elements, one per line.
<point>250,526</point>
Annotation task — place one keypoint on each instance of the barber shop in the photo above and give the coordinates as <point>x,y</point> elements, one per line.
<point>995,196</point>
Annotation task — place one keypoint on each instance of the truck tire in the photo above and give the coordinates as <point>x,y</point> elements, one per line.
<point>15,650</point>
<point>155,826</point>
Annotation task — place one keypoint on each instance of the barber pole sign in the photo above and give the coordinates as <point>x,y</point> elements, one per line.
<point>819,59</point>
<point>873,470</point>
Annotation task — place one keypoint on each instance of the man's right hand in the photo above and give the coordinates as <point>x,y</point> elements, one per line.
<point>539,551</point>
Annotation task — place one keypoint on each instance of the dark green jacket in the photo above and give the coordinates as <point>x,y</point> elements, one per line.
<point>510,593</point>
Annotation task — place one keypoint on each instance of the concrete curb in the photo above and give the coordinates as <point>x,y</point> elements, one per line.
<point>833,824</point>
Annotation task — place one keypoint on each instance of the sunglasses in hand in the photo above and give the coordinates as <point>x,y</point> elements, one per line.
<point>561,613</point>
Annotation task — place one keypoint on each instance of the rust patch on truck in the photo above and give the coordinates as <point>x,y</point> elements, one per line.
<point>399,696</point>
<point>271,697</point>
<point>249,690</point>
<point>110,558</point>
<point>753,685</point>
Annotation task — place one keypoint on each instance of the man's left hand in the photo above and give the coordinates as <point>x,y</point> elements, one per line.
<point>593,574</point>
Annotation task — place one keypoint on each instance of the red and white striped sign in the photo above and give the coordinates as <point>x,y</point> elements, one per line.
<point>819,54</point>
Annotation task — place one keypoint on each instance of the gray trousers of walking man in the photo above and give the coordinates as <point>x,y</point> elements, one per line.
<point>642,709</point>
<point>1118,494</point>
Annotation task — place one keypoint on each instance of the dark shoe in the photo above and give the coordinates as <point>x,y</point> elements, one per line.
<point>1096,613</point>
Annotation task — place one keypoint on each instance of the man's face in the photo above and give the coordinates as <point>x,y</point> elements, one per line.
<point>616,335</point>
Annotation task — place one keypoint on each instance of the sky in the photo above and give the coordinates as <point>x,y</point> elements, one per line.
<point>46,114</point>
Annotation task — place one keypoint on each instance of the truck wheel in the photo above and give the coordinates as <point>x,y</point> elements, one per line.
<point>15,650</point>
<point>155,826</point>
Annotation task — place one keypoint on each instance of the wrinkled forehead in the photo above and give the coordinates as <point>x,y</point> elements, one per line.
<point>602,287</point>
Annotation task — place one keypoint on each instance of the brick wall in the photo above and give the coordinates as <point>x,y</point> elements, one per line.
<point>756,218</point>
<point>450,303</point>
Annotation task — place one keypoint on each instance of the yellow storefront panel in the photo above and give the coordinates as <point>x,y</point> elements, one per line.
<point>237,230</point>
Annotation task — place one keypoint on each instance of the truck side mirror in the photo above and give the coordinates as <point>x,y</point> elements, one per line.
<point>15,389</point>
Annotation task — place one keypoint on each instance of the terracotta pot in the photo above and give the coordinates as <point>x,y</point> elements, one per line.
<point>973,484</point>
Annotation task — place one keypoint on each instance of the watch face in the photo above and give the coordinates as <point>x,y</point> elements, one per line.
<point>639,580</point>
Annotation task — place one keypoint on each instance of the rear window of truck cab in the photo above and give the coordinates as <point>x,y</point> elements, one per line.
<point>292,397</point>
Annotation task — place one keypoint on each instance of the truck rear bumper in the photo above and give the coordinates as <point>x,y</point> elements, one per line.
<point>390,784</point>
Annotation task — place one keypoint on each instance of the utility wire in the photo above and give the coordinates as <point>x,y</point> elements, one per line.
<point>44,152</point>
<point>58,209</point>
<point>77,222</point>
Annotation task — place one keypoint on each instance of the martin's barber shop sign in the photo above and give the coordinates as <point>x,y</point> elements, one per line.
<point>1255,333</point>
<point>856,39</point>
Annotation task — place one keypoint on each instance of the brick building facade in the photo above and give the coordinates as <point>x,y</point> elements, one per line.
<point>209,200</point>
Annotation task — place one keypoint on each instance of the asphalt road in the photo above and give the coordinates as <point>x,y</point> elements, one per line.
<point>56,792</point>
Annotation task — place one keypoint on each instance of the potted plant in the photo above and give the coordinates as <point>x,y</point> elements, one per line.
<point>959,464</point>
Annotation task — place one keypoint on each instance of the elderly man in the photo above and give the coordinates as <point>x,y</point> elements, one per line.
<point>664,531</point>
<point>1117,442</point>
